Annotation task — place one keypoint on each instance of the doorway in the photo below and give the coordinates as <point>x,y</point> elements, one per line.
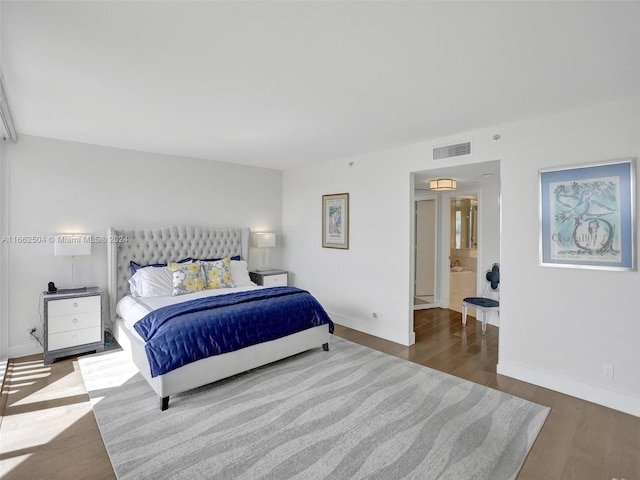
<point>463,250</point>
<point>481,180</point>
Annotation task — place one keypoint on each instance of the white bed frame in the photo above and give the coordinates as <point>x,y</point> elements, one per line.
<point>174,243</point>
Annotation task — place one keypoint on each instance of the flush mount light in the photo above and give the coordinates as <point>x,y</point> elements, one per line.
<point>442,184</point>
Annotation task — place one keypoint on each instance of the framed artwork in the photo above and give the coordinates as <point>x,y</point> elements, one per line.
<point>587,216</point>
<point>335,220</point>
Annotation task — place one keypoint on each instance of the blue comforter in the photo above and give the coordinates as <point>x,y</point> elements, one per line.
<point>180,334</point>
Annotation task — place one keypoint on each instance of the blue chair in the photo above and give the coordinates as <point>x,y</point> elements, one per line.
<point>483,304</point>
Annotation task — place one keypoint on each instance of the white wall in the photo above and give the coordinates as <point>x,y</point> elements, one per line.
<point>558,326</point>
<point>373,275</point>
<point>4,259</point>
<point>58,186</point>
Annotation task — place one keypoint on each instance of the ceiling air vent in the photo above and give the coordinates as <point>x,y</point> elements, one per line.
<point>449,151</point>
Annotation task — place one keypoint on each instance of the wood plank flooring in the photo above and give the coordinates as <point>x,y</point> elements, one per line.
<point>48,430</point>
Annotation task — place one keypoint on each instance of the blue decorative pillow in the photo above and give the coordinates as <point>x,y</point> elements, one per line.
<point>136,266</point>
<point>189,259</point>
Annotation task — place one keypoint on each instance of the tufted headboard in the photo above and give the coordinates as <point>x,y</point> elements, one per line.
<point>162,245</point>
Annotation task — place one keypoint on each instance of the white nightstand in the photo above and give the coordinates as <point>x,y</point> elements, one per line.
<point>270,278</point>
<point>72,323</point>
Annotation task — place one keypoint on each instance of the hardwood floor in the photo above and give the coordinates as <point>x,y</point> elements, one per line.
<point>48,430</point>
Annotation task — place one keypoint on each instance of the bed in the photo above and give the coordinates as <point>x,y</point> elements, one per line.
<point>157,247</point>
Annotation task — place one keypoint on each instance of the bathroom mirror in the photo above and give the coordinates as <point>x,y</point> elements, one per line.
<point>464,222</point>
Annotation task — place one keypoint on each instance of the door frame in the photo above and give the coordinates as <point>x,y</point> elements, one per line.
<point>443,234</point>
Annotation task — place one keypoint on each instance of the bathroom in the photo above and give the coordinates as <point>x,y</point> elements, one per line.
<point>473,241</point>
<point>463,250</point>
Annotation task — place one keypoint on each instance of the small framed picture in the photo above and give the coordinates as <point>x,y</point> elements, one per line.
<point>335,221</point>
<point>587,216</point>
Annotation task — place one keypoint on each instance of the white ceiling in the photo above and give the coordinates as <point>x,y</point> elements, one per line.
<point>280,84</point>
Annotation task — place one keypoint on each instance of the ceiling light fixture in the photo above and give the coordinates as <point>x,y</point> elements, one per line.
<point>442,184</point>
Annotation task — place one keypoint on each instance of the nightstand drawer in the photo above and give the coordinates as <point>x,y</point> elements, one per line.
<point>71,306</point>
<point>66,323</point>
<point>275,280</point>
<point>74,338</point>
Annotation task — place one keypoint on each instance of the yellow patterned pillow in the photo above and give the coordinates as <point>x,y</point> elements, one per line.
<point>218,274</point>
<point>187,277</point>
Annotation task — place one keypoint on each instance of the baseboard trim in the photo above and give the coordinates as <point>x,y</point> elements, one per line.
<point>366,327</point>
<point>602,396</point>
<point>24,350</point>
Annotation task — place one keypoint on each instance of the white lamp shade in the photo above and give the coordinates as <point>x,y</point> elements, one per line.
<point>72,245</point>
<point>264,239</point>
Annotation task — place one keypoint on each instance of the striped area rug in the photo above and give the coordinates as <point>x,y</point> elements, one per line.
<point>350,413</point>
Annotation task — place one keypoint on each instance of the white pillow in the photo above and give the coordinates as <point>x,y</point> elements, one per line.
<point>240,273</point>
<point>151,282</point>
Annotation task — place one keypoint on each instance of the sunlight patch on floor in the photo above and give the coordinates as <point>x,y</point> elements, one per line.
<point>40,407</point>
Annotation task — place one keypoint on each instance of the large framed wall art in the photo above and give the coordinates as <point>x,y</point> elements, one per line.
<point>587,216</point>
<point>335,221</point>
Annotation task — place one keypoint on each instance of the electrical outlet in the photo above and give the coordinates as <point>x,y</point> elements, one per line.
<point>33,331</point>
<point>607,371</point>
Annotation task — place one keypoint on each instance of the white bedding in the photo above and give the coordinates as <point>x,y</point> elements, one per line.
<point>131,309</point>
